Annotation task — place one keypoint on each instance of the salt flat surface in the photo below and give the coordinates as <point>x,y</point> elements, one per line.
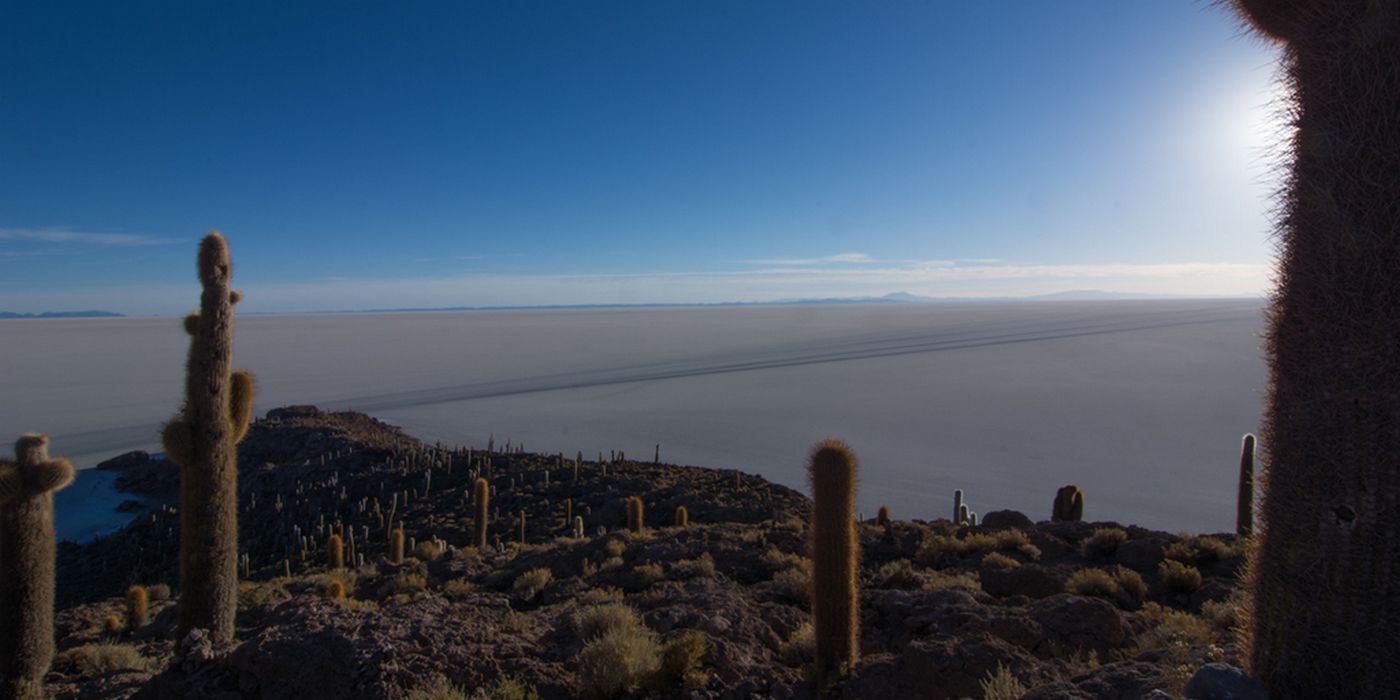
<point>1140,403</point>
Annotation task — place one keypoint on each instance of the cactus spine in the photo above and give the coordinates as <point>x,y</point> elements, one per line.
<point>1069,505</point>
<point>137,601</point>
<point>835,558</point>
<point>1322,577</point>
<point>481,493</point>
<point>634,513</point>
<point>202,440</point>
<point>27,550</point>
<point>1244,509</point>
<point>682,516</point>
<point>396,546</point>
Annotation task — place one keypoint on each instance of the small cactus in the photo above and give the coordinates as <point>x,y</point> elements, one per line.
<point>682,516</point>
<point>137,601</point>
<point>835,559</point>
<point>335,552</point>
<point>578,527</point>
<point>202,440</point>
<point>335,590</point>
<point>1069,505</point>
<point>522,526</point>
<point>396,546</point>
<point>481,493</point>
<point>27,550</point>
<point>1244,510</point>
<point>882,516</point>
<point>634,513</point>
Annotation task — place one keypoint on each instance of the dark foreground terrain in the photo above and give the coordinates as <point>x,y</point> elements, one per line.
<point>713,609</point>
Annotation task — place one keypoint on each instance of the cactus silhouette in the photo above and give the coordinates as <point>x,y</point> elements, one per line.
<point>1069,505</point>
<point>202,440</point>
<point>682,516</point>
<point>835,558</point>
<point>481,494</point>
<point>1323,594</point>
<point>959,509</point>
<point>137,601</point>
<point>882,516</point>
<point>27,550</point>
<point>1244,508</point>
<point>635,508</point>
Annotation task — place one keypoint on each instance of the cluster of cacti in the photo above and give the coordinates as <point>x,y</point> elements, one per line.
<point>201,440</point>
<point>1322,576</point>
<point>1068,506</point>
<point>27,550</point>
<point>635,508</point>
<point>1244,507</point>
<point>835,558</point>
<point>962,515</point>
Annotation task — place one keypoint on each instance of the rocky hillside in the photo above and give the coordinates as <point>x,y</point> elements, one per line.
<point>711,609</point>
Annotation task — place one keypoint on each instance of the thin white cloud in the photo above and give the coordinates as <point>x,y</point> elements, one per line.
<point>839,258</point>
<point>61,235</point>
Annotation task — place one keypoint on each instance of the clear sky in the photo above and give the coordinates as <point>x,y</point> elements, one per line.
<point>418,154</point>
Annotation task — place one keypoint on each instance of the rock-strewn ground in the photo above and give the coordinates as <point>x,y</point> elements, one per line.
<point>716,609</point>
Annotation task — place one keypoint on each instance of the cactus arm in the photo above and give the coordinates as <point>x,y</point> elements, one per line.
<point>52,475</point>
<point>192,323</point>
<point>178,440</point>
<point>240,410</point>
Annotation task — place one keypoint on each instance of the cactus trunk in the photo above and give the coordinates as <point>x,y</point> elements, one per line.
<point>1324,577</point>
<point>481,492</point>
<point>835,558</point>
<point>1244,508</point>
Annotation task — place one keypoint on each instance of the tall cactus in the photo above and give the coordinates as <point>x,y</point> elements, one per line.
<point>1244,507</point>
<point>635,508</point>
<point>202,440</point>
<point>835,558</point>
<point>481,495</point>
<point>27,550</point>
<point>1323,579</point>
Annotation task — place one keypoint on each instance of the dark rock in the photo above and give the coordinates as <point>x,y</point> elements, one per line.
<point>1223,682</point>
<point>1002,519</point>
<point>1030,580</point>
<point>1125,680</point>
<point>1077,622</point>
<point>940,668</point>
<point>1142,555</point>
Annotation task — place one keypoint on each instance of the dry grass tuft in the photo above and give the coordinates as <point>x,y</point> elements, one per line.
<point>1103,543</point>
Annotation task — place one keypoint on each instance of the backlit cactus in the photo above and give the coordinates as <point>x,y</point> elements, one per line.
<point>1069,505</point>
<point>202,440</point>
<point>27,550</point>
<point>396,546</point>
<point>1244,508</point>
<point>835,558</point>
<point>1322,579</point>
<point>335,552</point>
<point>481,495</point>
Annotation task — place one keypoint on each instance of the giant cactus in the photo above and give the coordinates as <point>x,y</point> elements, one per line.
<point>481,495</point>
<point>27,563</point>
<point>1324,579</point>
<point>201,440</point>
<point>835,558</point>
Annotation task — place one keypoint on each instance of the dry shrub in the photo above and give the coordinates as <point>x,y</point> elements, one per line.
<point>1092,582</point>
<point>800,647</point>
<point>1010,539</point>
<point>158,591</point>
<point>794,584</point>
<point>614,548</point>
<point>775,560</point>
<point>619,661</point>
<point>458,588</point>
<point>439,689</point>
<point>1132,590</point>
<point>942,550</point>
<point>426,550</point>
<point>100,659</point>
<point>1103,543</point>
<point>404,584</point>
<point>900,574</point>
<point>529,584</point>
<point>703,567</point>
<point>1001,685</point>
<point>997,560</point>
<point>594,622</point>
<point>680,660</point>
<point>646,574</point>
<point>937,580</point>
<point>1178,577</point>
<point>598,596</point>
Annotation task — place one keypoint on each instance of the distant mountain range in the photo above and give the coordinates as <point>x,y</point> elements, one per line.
<point>62,314</point>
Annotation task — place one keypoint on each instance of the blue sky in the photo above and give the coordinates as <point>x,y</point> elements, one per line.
<point>442,154</point>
